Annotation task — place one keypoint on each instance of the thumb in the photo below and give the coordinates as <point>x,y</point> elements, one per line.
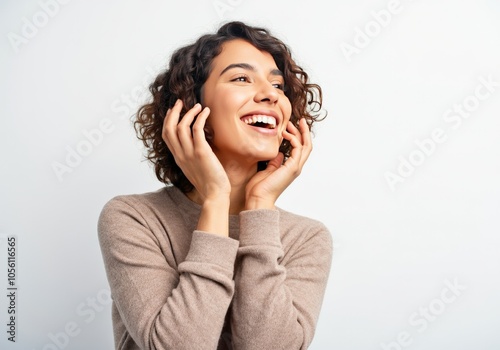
<point>275,163</point>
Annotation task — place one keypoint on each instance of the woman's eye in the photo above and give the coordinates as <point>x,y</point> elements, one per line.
<point>241,78</point>
<point>279,86</point>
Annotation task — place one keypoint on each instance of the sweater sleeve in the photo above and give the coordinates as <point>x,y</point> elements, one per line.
<point>276,306</point>
<point>161,306</point>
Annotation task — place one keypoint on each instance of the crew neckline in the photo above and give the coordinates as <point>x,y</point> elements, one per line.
<point>185,199</point>
<point>185,204</point>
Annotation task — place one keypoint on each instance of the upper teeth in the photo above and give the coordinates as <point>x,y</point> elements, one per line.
<point>266,119</point>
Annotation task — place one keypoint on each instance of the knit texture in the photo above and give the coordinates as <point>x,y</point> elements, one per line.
<point>175,287</point>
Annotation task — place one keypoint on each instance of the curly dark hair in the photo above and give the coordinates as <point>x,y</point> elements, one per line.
<point>189,69</point>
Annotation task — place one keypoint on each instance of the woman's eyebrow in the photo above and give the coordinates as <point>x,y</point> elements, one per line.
<point>250,68</point>
<point>276,72</point>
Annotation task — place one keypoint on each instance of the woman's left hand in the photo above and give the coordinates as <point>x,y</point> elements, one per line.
<point>266,186</point>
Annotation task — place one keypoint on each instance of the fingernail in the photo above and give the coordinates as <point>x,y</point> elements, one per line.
<point>177,102</point>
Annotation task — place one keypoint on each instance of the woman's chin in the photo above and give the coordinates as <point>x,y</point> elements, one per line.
<point>266,154</point>
<point>250,154</point>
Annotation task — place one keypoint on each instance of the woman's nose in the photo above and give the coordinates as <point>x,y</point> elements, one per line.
<point>266,92</point>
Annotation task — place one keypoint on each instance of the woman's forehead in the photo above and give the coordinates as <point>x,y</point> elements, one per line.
<point>241,52</point>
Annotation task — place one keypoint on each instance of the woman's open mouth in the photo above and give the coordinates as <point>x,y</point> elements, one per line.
<point>260,121</point>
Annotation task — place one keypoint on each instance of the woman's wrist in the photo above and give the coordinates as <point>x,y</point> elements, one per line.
<point>214,216</point>
<point>254,203</point>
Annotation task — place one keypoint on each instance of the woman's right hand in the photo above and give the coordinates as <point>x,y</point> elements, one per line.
<point>192,152</point>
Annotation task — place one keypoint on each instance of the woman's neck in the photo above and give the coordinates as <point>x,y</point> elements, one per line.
<point>239,175</point>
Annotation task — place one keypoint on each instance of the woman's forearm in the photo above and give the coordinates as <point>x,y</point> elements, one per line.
<point>278,294</point>
<point>214,217</point>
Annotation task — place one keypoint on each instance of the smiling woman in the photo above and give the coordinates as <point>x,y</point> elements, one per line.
<point>209,261</point>
<point>249,91</point>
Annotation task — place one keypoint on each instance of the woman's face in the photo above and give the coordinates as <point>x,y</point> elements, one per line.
<point>248,108</point>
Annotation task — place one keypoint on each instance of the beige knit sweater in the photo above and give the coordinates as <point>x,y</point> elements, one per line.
<point>175,287</point>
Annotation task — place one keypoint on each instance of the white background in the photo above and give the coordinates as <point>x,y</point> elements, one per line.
<point>397,249</point>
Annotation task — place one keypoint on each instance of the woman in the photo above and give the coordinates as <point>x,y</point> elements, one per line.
<point>209,261</point>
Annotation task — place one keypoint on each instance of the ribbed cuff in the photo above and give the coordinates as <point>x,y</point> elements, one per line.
<point>211,248</point>
<point>260,227</point>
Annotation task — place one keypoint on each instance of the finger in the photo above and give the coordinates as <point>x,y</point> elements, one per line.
<point>190,115</point>
<point>198,128</point>
<point>293,135</point>
<point>300,140</point>
<point>306,135</point>
<point>292,129</point>
<point>184,129</point>
<point>172,117</point>
<point>169,131</point>
<point>275,163</point>
<point>306,141</point>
